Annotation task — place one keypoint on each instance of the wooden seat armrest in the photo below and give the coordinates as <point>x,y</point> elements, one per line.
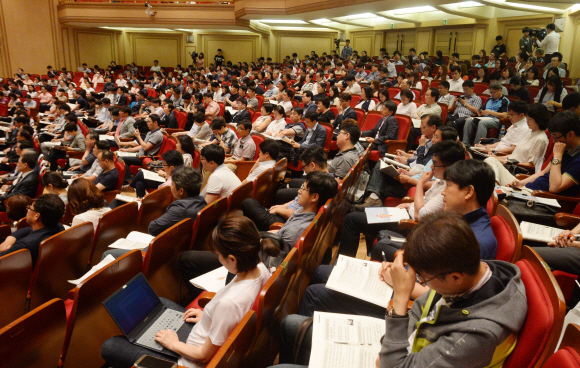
<point>395,145</point>
<point>125,139</point>
<point>170,131</point>
<point>521,176</point>
<point>276,226</point>
<point>206,298</point>
<point>567,220</point>
<point>71,294</point>
<point>229,155</point>
<point>75,154</point>
<point>408,200</point>
<point>407,224</point>
<point>244,168</point>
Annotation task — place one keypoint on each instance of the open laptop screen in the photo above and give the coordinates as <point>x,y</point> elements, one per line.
<point>132,303</point>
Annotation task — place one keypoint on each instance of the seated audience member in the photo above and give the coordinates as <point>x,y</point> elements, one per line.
<point>430,107</point>
<point>95,169</point>
<point>171,160</point>
<point>86,202</point>
<point>238,246</point>
<point>75,140</point>
<point>200,129</point>
<point>315,134</point>
<point>17,207</point>
<point>572,102</point>
<point>495,109</point>
<point>54,183</point>
<point>381,185</point>
<point>443,254</point>
<point>552,93</point>
<point>279,121</point>
<point>12,156</point>
<point>407,106</point>
<point>149,146</point>
<point>531,148</point>
<point>518,89</point>
<point>445,154</point>
<point>84,164</point>
<point>242,113</point>
<point>222,181</point>
<point>515,133</point>
<point>221,135</point>
<point>344,112</point>
<point>109,176</point>
<point>463,107</point>
<point>269,150</point>
<point>366,103</point>
<point>386,128</point>
<point>293,130</point>
<point>168,119</point>
<point>563,252</point>
<point>456,82</point>
<point>444,96</point>
<point>244,147</point>
<point>562,175</point>
<point>261,123</point>
<point>313,159</point>
<point>347,156</point>
<point>43,216</point>
<point>184,145</point>
<point>26,182</point>
<point>325,114</point>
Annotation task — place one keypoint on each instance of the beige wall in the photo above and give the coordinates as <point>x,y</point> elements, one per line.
<point>302,43</point>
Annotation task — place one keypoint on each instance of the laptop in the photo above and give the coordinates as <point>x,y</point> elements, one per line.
<point>139,313</point>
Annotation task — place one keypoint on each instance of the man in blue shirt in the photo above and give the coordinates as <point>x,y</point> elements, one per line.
<point>346,51</point>
<point>495,109</point>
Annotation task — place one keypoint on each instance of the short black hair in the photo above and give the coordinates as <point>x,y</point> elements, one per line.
<point>518,106</point>
<point>71,127</point>
<point>353,130</point>
<point>449,152</point>
<point>172,158</point>
<point>323,184</point>
<point>103,145</point>
<point>540,114</point>
<point>108,155</point>
<point>50,208</point>
<point>188,179</point>
<point>444,84</point>
<point>551,26</point>
<point>565,122</point>
<point>270,147</point>
<point>314,154</point>
<point>475,173</point>
<point>571,101</point>
<point>217,124</point>
<point>247,124</point>
<point>435,93</point>
<point>468,83</point>
<point>213,152</point>
<point>448,133</point>
<point>29,158</point>
<point>391,106</point>
<point>345,96</point>
<point>434,120</point>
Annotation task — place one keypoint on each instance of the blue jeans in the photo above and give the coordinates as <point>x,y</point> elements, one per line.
<point>482,126</point>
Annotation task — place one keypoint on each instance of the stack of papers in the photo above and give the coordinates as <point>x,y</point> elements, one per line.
<point>539,233</point>
<point>383,215</point>
<point>135,240</point>
<point>104,137</point>
<point>212,281</point>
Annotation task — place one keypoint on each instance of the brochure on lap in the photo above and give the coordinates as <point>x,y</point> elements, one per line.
<point>383,215</point>
<point>135,240</point>
<point>212,281</point>
<point>108,259</point>
<point>539,233</point>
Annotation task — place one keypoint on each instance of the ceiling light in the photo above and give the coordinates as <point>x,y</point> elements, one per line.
<point>529,6</point>
<point>468,4</point>
<point>321,20</point>
<point>281,21</point>
<point>361,16</point>
<point>418,9</point>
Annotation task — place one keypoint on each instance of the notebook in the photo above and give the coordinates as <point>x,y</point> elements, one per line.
<point>139,313</point>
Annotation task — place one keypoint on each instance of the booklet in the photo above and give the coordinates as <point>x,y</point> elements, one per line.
<point>104,137</point>
<point>212,281</point>
<point>345,341</point>
<point>546,201</point>
<point>383,215</point>
<point>135,240</point>
<point>150,175</point>
<point>396,163</point>
<point>388,169</point>
<point>539,233</point>
<point>360,278</point>
<point>416,123</point>
<point>108,259</point>
<point>127,154</point>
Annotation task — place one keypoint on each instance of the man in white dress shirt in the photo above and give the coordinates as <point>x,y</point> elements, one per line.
<point>550,43</point>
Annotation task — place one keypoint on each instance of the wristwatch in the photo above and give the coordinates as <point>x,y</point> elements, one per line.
<point>391,313</point>
<point>556,161</point>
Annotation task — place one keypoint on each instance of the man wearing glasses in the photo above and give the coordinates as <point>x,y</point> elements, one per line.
<point>43,216</point>
<point>26,181</point>
<point>495,108</point>
<point>244,147</point>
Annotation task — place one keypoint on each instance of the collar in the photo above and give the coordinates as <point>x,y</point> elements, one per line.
<point>313,128</point>
<point>454,298</point>
<point>574,151</point>
<point>521,122</point>
<point>246,138</point>
<point>473,216</point>
<point>348,150</point>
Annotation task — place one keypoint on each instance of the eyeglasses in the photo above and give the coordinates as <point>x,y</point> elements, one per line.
<point>29,208</point>
<point>556,138</point>
<point>436,166</point>
<point>421,280</point>
<point>303,188</point>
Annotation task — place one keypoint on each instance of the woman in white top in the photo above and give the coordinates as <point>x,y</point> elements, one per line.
<point>86,202</point>
<point>383,98</point>
<point>238,246</point>
<point>308,85</point>
<point>532,77</point>
<point>366,103</point>
<point>552,93</point>
<point>263,121</point>
<point>333,95</point>
<point>414,81</point>
<point>279,121</point>
<point>54,183</point>
<point>427,75</point>
<point>185,146</point>
<point>407,106</point>
<point>530,149</point>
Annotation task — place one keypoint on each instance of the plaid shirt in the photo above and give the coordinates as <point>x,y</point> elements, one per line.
<point>346,52</point>
<point>229,138</point>
<point>472,100</point>
<point>372,76</point>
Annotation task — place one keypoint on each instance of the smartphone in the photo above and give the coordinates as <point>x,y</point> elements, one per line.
<point>151,362</point>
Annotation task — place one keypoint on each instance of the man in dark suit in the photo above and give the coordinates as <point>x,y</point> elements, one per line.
<point>43,216</point>
<point>386,128</point>
<point>315,135</point>
<point>344,112</point>
<point>120,97</point>
<point>26,181</point>
<point>309,105</point>
<point>242,113</point>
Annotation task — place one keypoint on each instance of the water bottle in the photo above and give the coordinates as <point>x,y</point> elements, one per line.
<point>502,132</point>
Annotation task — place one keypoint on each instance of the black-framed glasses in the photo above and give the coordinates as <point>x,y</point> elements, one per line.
<point>29,208</point>
<point>304,188</point>
<point>436,166</point>
<point>558,137</point>
<point>421,280</point>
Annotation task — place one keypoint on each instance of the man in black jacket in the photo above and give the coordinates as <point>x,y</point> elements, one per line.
<point>27,180</point>
<point>344,112</point>
<point>242,113</point>
<point>386,128</point>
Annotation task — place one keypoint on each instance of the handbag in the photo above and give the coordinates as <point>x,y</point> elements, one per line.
<point>531,211</point>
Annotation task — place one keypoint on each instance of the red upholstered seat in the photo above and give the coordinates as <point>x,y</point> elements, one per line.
<point>567,281</point>
<point>564,358</point>
<point>506,244</point>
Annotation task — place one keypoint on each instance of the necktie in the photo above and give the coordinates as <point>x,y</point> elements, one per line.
<point>119,128</point>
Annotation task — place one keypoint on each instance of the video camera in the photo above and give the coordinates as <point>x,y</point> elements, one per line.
<point>193,55</point>
<point>337,43</point>
<point>539,33</point>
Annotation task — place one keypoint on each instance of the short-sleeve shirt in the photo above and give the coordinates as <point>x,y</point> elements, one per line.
<point>108,179</point>
<point>156,138</point>
<point>570,168</point>
<point>221,182</point>
<point>342,163</point>
<point>244,148</point>
<point>262,166</point>
<point>229,138</point>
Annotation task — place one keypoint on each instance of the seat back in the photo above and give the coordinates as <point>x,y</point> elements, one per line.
<point>153,206</point>
<point>277,178</point>
<point>113,225</point>
<point>15,273</point>
<point>404,126</point>
<point>354,99</point>
<point>35,340</point>
<point>61,257</point>
<point>508,234</point>
<point>121,168</point>
<point>444,110</point>
<point>492,205</point>
<point>262,185</point>
<point>373,117</point>
<point>89,323</point>
<point>160,263</point>
<point>257,140</point>
<point>480,87</point>
<point>546,310</point>
<point>568,355</point>
<point>231,353</point>
<point>270,313</point>
<point>181,119</point>
<point>237,197</point>
<point>207,219</point>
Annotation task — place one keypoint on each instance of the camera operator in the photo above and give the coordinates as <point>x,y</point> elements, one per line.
<point>526,41</point>
<point>550,43</point>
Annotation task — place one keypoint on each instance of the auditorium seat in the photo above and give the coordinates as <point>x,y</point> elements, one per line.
<point>231,353</point>
<point>568,355</point>
<point>206,221</point>
<point>237,197</point>
<point>262,185</point>
<point>15,273</point>
<point>508,234</point>
<point>153,206</point>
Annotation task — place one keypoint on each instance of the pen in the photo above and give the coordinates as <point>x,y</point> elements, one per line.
<point>351,343</point>
<point>384,258</point>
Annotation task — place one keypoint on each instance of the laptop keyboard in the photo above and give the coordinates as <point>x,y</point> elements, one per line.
<point>169,320</point>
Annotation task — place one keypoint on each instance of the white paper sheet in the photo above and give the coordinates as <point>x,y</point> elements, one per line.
<point>383,215</point>
<point>127,154</point>
<point>150,175</point>
<point>212,281</point>
<point>104,137</point>
<point>108,259</point>
<point>537,232</point>
<point>345,341</point>
<point>397,163</point>
<point>135,240</point>
<point>360,278</point>
<point>416,123</point>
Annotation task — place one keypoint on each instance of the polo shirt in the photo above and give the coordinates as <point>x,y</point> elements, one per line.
<point>28,239</point>
<point>155,137</point>
<point>262,166</point>
<point>108,179</point>
<point>456,85</point>
<point>221,182</point>
<point>294,227</point>
<point>229,138</point>
<point>570,168</point>
<point>514,134</point>
<point>343,162</point>
<point>244,148</point>
<point>480,223</point>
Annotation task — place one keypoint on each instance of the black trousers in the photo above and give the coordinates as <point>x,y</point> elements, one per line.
<point>354,224</point>
<point>260,215</point>
<point>53,156</point>
<point>457,122</point>
<point>414,133</point>
<point>195,263</point>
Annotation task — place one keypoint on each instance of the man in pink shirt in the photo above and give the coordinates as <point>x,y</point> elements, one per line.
<point>44,98</point>
<point>212,108</point>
